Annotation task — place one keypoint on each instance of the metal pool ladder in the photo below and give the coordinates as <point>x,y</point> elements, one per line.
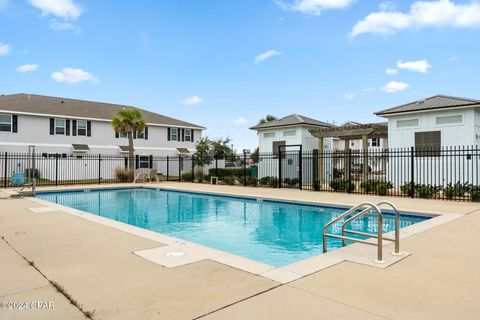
<point>367,207</point>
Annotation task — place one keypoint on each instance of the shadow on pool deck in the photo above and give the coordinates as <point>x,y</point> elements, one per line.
<point>96,266</point>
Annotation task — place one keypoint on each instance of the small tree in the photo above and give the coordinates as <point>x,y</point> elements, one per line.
<point>268,118</point>
<point>203,154</point>
<point>221,148</point>
<point>128,121</point>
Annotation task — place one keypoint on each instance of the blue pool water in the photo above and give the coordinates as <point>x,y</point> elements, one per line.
<point>274,233</point>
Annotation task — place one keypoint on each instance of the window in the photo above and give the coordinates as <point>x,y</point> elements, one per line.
<point>5,123</point>
<point>188,135</point>
<point>81,128</point>
<point>289,133</point>
<point>144,162</point>
<point>428,144</point>
<point>141,135</point>
<point>375,142</point>
<point>449,119</point>
<point>123,135</point>
<point>59,126</point>
<point>269,135</point>
<point>408,123</point>
<point>174,134</point>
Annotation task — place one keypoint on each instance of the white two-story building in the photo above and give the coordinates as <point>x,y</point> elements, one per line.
<point>70,128</point>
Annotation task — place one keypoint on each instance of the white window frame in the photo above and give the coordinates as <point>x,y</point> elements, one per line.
<point>188,135</point>
<point>172,135</point>
<point>78,128</point>
<point>142,161</point>
<point>7,123</point>
<point>64,127</point>
<point>287,133</point>
<point>269,133</point>
<point>375,142</point>
<point>405,120</point>
<point>451,123</point>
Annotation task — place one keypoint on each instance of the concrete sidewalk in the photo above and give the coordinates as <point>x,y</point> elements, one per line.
<point>96,266</point>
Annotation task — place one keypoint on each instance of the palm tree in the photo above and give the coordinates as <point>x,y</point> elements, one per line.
<point>268,118</point>
<point>128,121</point>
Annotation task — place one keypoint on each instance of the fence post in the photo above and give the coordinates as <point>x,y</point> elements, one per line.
<point>300,168</point>
<point>168,162</point>
<point>56,169</point>
<point>193,168</point>
<point>244,168</point>
<point>349,170</point>
<point>412,172</point>
<point>179,169</point>
<point>5,171</point>
<point>216,165</point>
<point>279,167</point>
<point>99,168</point>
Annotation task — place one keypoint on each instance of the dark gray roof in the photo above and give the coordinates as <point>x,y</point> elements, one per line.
<point>38,104</point>
<point>124,148</point>
<point>435,102</point>
<point>182,150</point>
<point>291,120</point>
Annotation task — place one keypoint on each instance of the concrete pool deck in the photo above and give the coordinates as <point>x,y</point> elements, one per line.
<point>96,266</point>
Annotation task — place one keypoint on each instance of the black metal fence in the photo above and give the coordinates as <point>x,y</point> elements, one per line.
<point>448,173</point>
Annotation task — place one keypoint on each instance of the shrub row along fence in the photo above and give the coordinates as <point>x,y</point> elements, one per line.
<point>448,173</point>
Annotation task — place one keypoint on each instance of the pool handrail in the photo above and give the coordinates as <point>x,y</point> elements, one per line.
<point>369,207</point>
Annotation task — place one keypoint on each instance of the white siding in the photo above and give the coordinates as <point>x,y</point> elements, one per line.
<point>35,130</point>
<point>451,134</point>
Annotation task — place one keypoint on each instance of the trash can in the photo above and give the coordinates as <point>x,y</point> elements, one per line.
<point>254,171</point>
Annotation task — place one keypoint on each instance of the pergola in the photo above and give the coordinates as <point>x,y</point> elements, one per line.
<point>347,133</point>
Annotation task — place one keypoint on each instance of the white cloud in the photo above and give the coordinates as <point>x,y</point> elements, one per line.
<point>266,55</point>
<point>61,25</point>
<point>349,96</point>
<point>66,9</point>
<point>239,121</point>
<point>191,101</point>
<point>453,58</point>
<point>394,86</point>
<point>421,66</point>
<point>391,71</point>
<point>387,6</point>
<point>314,7</point>
<point>27,68</point>
<point>4,49</point>
<point>422,14</point>
<point>72,76</point>
<point>369,89</point>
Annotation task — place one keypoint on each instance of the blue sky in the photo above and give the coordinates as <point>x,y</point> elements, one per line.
<point>226,64</point>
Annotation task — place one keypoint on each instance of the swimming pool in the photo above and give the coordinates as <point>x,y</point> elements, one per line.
<point>271,232</point>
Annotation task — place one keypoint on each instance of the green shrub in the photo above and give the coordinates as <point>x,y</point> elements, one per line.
<point>342,185</point>
<point>379,187</point>
<point>475,193</point>
<point>230,180</point>
<point>252,181</point>
<point>291,182</point>
<point>187,176</point>
<point>317,186</point>
<point>222,173</point>
<point>449,192</point>
<point>427,191</point>
<point>408,190</point>
<point>269,181</point>
<point>124,174</point>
